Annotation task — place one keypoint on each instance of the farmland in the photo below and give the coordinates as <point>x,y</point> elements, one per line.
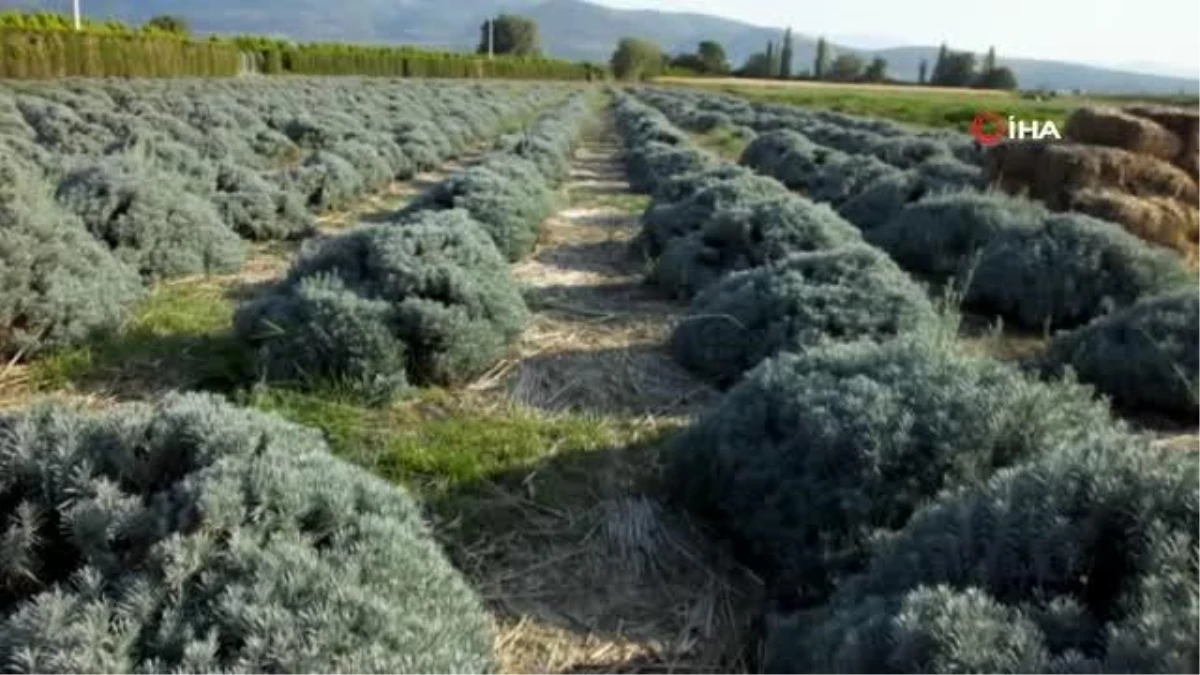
<point>376,375</point>
<point>949,107</point>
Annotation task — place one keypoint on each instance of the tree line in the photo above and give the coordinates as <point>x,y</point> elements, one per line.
<point>639,59</point>
<point>43,45</point>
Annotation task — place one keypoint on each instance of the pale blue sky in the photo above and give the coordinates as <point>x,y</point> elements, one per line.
<point>1108,32</point>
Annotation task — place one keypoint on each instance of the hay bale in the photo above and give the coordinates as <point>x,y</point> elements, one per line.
<point>1116,129</point>
<point>1053,172</point>
<point>1168,222</point>
<point>1183,122</point>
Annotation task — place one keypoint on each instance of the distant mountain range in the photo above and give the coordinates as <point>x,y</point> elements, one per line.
<point>572,29</point>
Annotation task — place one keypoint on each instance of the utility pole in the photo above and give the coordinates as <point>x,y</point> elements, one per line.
<point>78,20</point>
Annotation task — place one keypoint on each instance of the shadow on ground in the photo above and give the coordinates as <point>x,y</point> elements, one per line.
<point>612,258</point>
<point>619,301</point>
<point>638,379</point>
<point>586,569</point>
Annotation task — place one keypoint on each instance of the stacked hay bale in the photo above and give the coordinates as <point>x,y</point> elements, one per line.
<point>1136,166</point>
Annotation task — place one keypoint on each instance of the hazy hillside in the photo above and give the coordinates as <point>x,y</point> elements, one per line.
<point>903,62</point>
<point>572,29</point>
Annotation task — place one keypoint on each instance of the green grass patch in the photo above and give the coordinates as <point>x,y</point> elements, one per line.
<point>626,202</point>
<point>436,441</point>
<point>926,107</point>
<point>722,141</point>
<point>178,337</point>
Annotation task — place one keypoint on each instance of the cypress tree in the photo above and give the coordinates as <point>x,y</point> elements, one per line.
<point>821,63</point>
<point>939,66</point>
<point>785,57</point>
<point>772,61</point>
<point>923,72</point>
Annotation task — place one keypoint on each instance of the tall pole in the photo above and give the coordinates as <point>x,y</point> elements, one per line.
<point>491,36</point>
<point>78,20</point>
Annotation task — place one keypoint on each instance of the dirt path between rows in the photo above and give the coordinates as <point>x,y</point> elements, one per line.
<point>583,566</point>
<point>597,339</point>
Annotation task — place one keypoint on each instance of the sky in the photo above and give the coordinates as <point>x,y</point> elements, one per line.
<point>1103,32</point>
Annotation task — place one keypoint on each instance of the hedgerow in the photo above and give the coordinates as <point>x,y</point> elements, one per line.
<point>812,457</point>
<point>195,536</point>
<point>1083,560</point>
<point>742,238</point>
<point>1144,356</point>
<point>795,304</point>
<point>59,286</point>
<point>155,226</point>
<point>424,300</point>
<point>1069,271</point>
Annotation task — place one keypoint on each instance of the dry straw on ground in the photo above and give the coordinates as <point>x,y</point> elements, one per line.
<point>609,580</point>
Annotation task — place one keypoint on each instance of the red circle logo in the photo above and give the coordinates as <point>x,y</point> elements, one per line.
<point>989,128</point>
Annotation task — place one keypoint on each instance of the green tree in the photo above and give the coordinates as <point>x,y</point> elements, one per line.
<point>785,55</point>
<point>821,62</point>
<point>757,65</point>
<point>923,72</point>
<point>169,23</point>
<point>876,71</point>
<point>772,61</point>
<point>997,78</point>
<point>636,59</point>
<point>689,62</point>
<point>714,58</point>
<point>989,61</point>
<point>846,67</point>
<point>514,35</point>
<point>958,70</point>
